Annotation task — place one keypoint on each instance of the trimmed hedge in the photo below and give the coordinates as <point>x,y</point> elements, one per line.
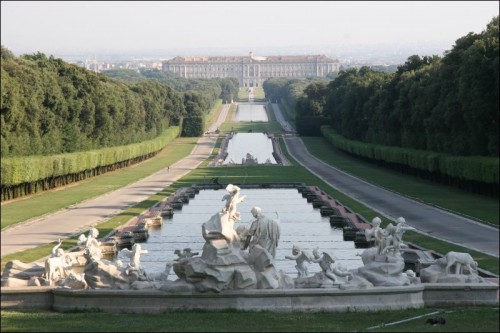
<point>30,169</point>
<point>471,168</point>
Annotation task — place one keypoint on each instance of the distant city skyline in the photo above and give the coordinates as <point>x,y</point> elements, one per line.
<point>65,28</point>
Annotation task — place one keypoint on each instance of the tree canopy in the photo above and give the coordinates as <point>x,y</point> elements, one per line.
<point>446,104</point>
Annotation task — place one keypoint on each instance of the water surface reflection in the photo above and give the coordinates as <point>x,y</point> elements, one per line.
<point>301,224</point>
<point>259,145</point>
<point>251,112</point>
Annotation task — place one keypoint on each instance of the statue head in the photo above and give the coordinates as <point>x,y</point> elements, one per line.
<point>256,211</point>
<point>295,249</point>
<point>410,273</point>
<point>316,252</point>
<point>376,221</point>
<point>400,220</point>
<point>232,188</point>
<point>390,229</point>
<point>94,232</point>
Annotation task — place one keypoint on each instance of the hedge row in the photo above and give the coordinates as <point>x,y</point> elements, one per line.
<point>29,169</point>
<point>474,168</point>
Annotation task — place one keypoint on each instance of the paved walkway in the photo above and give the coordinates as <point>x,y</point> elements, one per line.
<point>80,217</point>
<point>426,219</point>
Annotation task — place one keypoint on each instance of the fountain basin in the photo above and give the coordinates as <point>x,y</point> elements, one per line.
<point>279,300</point>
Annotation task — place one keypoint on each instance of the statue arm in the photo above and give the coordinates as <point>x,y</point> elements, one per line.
<point>54,249</point>
<point>247,242</point>
<point>317,260</point>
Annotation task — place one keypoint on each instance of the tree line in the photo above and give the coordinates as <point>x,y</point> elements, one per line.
<point>446,104</point>
<point>61,123</point>
<point>434,116</point>
<point>199,94</point>
<point>51,107</point>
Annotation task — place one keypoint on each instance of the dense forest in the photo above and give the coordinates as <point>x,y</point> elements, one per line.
<point>446,104</point>
<point>50,107</point>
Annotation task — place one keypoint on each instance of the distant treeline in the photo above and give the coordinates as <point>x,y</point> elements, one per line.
<point>447,105</point>
<point>199,94</point>
<point>51,107</point>
<point>71,115</point>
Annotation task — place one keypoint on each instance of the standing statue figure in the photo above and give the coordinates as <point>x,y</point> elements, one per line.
<point>301,257</point>
<point>394,235</point>
<point>232,199</point>
<point>58,266</point>
<point>377,234</point>
<point>264,232</point>
<point>91,243</point>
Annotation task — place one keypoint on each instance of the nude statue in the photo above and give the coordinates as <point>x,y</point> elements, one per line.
<point>232,199</point>
<point>301,257</point>
<point>91,243</point>
<point>326,261</point>
<point>393,236</point>
<point>58,265</point>
<point>376,233</point>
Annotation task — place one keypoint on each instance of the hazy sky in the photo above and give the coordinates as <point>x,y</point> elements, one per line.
<point>65,27</point>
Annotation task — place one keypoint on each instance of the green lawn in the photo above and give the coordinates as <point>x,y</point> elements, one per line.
<point>471,319</point>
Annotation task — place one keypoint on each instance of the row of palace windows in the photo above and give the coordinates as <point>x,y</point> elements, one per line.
<point>275,67</point>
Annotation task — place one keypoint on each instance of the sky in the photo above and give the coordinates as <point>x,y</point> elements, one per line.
<point>191,27</point>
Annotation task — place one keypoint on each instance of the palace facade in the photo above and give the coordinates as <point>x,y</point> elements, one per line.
<point>251,71</point>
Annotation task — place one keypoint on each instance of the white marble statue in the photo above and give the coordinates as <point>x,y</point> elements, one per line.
<point>393,236</point>
<point>454,267</point>
<point>221,225</point>
<point>326,261</point>
<point>376,233</point>
<point>184,254</point>
<point>232,199</point>
<point>134,257</point>
<point>301,257</point>
<point>263,231</point>
<point>90,242</point>
<point>383,264</point>
<point>58,266</point>
<point>462,263</point>
<point>224,264</point>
